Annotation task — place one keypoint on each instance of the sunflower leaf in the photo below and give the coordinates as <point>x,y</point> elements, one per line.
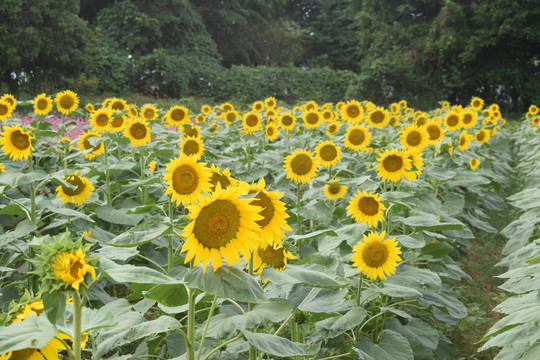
<point>33,332</point>
<point>278,346</point>
<point>135,274</point>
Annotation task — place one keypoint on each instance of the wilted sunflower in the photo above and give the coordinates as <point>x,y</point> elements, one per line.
<point>352,112</point>
<point>273,212</point>
<point>273,256</point>
<point>272,132</point>
<point>464,140</point>
<point>16,142</point>
<point>413,137</point>
<point>66,101</point>
<point>312,119</point>
<point>79,193</point>
<point>149,112</point>
<point>222,226</point>
<point>42,104</point>
<point>72,268</point>
<point>378,118</point>
<point>435,132</point>
<point>452,121</point>
<point>477,103</point>
<point>328,153</point>
<point>223,177</point>
<point>474,163</point>
<point>177,115</point>
<point>367,208</point>
<point>286,121</point>
<point>270,102</point>
<point>392,165</point>
<point>469,118</point>
<point>334,190</point>
<point>5,110</point>
<point>332,129</point>
<point>89,107</point>
<point>417,163</point>
<point>482,136</point>
<point>85,143</point>
<point>251,122</point>
<point>186,179</point>
<point>138,132</point>
<point>193,147</point>
<point>101,120</point>
<point>230,116</point>
<point>357,138</point>
<point>301,166</point>
<point>376,256</point>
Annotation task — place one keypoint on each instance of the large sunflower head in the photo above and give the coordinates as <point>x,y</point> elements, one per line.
<point>138,132</point>
<point>117,104</point>
<point>435,132</point>
<point>71,268</point>
<point>273,256</point>
<point>186,179</point>
<point>413,137</point>
<point>469,118</point>
<point>452,121</point>
<point>118,123</point>
<point>378,117</point>
<point>221,227</point>
<point>417,163</point>
<point>328,115</point>
<point>16,142</point>
<point>328,153</point>
<point>376,256</point>
<point>66,101</point>
<point>312,119</point>
<point>301,166</point>
<point>149,112</point>
<point>352,112</point>
<point>177,115</point>
<point>221,177</point>
<point>367,208</point>
<point>42,104</point>
<point>477,103</point>
<point>193,147</point>
<point>252,122</point>
<point>6,111</point>
<point>101,119</point>
<point>286,121</point>
<point>91,142</point>
<point>357,138</point>
<point>533,109</point>
<point>482,136</point>
<point>272,132</point>
<point>334,190</point>
<point>392,165</point>
<point>77,189</point>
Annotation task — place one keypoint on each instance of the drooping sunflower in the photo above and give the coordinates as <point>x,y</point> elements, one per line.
<point>435,132</point>
<point>138,132</point>
<point>417,163</point>
<point>117,104</point>
<point>272,132</point>
<point>85,143</point>
<point>6,111</point>
<point>118,123</point>
<point>328,153</point>
<point>367,208</point>
<point>378,118</point>
<point>80,191</point>
<point>332,129</point>
<point>469,118</point>
<point>230,116</point>
<point>42,104</point>
<point>101,120</point>
<point>221,227</point>
<point>482,136</point>
<point>392,165</point>
<point>66,101</point>
<point>72,268</point>
<point>149,112</point>
<point>376,256</point>
<point>301,166</point>
<point>452,121</point>
<point>192,147</point>
<point>133,112</point>
<point>270,102</point>
<point>221,177</point>
<point>357,138</point>
<point>477,103</point>
<point>177,115</point>
<point>413,137</point>
<point>152,166</point>
<point>16,142</point>
<point>352,112</point>
<point>273,256</point>
<point>312,119</point>
<point>334,190</point>
<point>251,122</point>
<point>464,140</point>
<point>186,179</point>
<point>474,163</point>
<point>286,121</point>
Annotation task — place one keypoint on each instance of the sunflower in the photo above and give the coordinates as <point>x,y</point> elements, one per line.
<point>251,122</point>
<point>367,208</point>
<point>227,106</point>
<point>352,112</point>
<point>206,109</point>
<point>286,121</point>
<point>445,105</point>
<point>16,142</point>
<point>222,226</point>
<point>533,109</point>
<point>394,108</point>
<point>378,117</point>
<point>376,256</point>
<point>435,132</point>
<point>357,138</point>
<point>190,131</point>
<point>257,106</point>
<point>494,107</point>
<point>328,153</point>
<point>6,110</point>
<point>149,112</point>
<point>273,256</point>
<point>118,104</point>
<point>42,104</point>
<point>482,136</point>
<point>421,119</point>
<point>152,166</point>
<point>138,132</point>
<point>477,103</point>
<point>80,190</point>
<point>270,102</point>
<point>90,108</point>
<point>2,167</point>
<point>193,147</point>
<point>230,116</point>
<point>417,161</point>
<point>186,179</point>
<point>392,165</point>
<point>66,101</point>
<point>9,100</point>
<point>312,119</point>
<point>328,115</point>
<point>213,128</point>
<point>464,140</point>
<point>469,119</point>
<point>413,137</point>
<point>224,178</point>
<point>332,129</point>
<point>85,144</point>
<point>118,123</point>
<point>72,268</point>
<point>310,106</point>
<point>101,120</point>
<point>272,132</point>
<point>334,190</point>
<point>452,121</point>
<point>474,164</point>
<point>177,115</point>
<point>301,166</point>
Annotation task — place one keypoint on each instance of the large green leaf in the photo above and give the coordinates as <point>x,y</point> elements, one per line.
<point>135,274</point>
<point>431,222</point>
<point>15,178</point>
<point>306,274</point>
<point>416,278</point>
<point>115,216</point>
<point>278,346</point>
<point>169,294</point>
<point>147,231</point>
<point>393,346</point>
<point>32,332</point>
<point>420,334</point>
<point>22,229</point>
<point>320,300</point>
<point>69,212</point>
<point>337,325</point>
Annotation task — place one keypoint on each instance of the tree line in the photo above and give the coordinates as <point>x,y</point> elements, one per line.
<point>380,50</point>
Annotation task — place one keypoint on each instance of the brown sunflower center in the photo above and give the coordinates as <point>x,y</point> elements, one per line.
<point>217,224</point>
<point>267,212</point>
<point>368,205</point>
<point>270,131</point>
<point>25,354</point>
<point>328,152</point>
<point>272,257</point>
<point>230,117</point>
<point>421,121</point>
<point>216,178</point>
<point>252,120</point>
<point>191,147</point>
<point>88,145</point>
<point>353,111</point>
<point>480,136</point>
<point>357,137</point>
<point>78,184</point>
<point>312,118</point>
<point>191,132</point>
<point>452,120</point>
<point>327,115</point>
<point>185,180</point>
<point>20,140</point>
<point>393,163</point>
<point>476,104</point>
<point>462,140</point>
<point>3,109</point>
<point>178,115</point>
<point>75,269</point>
<point>117,122</point>
<point>42,104</point>
<point>375,254</point>
<point>66,101</point>
<point>138,131</point>
<point>301,164</point>
<point>334,189</point>
<point>270,103</point>
<point>414,138</point>
<point>149,113</point>
<point>117,105</point>
<point>258,107</point>
<point>467,119</point>
<point>102,120</point>
<point>377,117</point>
<point>287,120</point>
<point>434,132</point>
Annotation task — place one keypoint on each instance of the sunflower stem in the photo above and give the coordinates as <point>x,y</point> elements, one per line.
<point>252,350</point>
<point>170,254</point>
<point>143,188</point>
<point>32,191</point>
<point>206,326</point>
<point>359,291</point>
<point>107,175</point>
<point>190,343</point>
<point>77,314</point>
<point>298,216</point>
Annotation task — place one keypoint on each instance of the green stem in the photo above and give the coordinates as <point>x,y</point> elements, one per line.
<point>298,217</point>
<point>68,350</point>
<point>252,350</point>
<point>32,192</point>
<point>190,343</point>
<point>107,175</point>
<point>170,254</point>
<point>359,291</point>
<point>77,312</point>
<point>143,187</point>
<point>206,326</point>
<point>217,348</point>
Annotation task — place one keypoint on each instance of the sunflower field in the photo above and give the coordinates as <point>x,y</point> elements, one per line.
<point>320,231</point>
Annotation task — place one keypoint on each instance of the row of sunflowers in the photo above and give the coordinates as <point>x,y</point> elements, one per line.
<point>319,231</point>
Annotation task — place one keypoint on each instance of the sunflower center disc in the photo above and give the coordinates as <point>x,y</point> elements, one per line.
<point>369,206</point>
<point>332,128</point>
<point>149,113</point>
<point>334,189</point>
<point>19,140</point>
<point>191,132</point>
<point>357,137</point>
<point>102,120</point>
<point>287,120</point>
<point>267,207</point>
<point>87,144</point>
<point>480,136</point>
<point>190,148</point>
<point>217,224</point>
<point>219,178</point>
<point>393,163</point>
<point>76,182</point>
<point>270,131</point>
<point>377,117</point>
<point>301,164</point>
<point>328,152</point>
<point>476,104</point>
<point>42,104</point>
<point>231,117</point>
<point>272,257</point>
<point>452,120</point>
<point>177,115</point>
<point>462,141</point>
<point>3,109</point>
<point>353,111</point>
<point>252,120</point>
<point>117,105</point>
<point>375,254</point>
<point>138,131</point>
<point>185,180</point>
<point>421,121</point>
<point>467,118</point>
<point>117,122</point>
<point>312,118</point>
<point>434,132</point>
<point>66,101</point>
<point>414,138</point>
<point>75,269</point>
